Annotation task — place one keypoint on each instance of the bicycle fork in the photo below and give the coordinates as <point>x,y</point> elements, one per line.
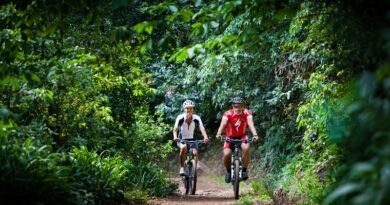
<point>236,156</point>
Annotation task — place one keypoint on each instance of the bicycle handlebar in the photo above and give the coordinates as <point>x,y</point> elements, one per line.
<point>238,140</point>
<point>192,141</point>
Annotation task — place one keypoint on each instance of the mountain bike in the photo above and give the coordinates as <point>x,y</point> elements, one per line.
<point>236,164</point>
<point>190,166</point>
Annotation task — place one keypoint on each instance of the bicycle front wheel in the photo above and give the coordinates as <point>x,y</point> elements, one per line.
<point>186,178</point>
<point>236,183</point>
<point>193,176</point>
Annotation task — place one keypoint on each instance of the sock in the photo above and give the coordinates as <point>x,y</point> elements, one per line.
<point>244,169</point>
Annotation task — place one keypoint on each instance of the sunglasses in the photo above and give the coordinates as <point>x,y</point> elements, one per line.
<point>236,105</point>
<point>189,108</point>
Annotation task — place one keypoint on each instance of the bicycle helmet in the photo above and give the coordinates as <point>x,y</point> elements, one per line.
<point>237,100</point>
<point>188,103</point>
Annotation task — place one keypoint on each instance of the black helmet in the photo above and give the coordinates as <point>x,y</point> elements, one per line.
<point>237,100</point>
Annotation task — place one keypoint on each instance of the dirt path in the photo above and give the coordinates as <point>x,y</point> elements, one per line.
<point>210,190</point>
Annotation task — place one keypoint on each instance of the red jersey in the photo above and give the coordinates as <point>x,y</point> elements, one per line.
<point>236,123</point>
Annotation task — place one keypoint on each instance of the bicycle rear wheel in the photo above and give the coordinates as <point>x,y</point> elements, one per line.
<point>236,183</point>
<point>193,176</point>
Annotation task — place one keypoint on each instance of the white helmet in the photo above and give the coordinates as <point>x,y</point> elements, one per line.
<point>188,103</point>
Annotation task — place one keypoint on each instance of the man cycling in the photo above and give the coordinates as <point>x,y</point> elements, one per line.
<point>186,123</point>
<point>235,120</point>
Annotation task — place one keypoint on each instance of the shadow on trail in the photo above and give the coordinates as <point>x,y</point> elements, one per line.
<point>194,199</point>
<point>200,198</point>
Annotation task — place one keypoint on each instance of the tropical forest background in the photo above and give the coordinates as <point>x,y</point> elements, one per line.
<point>90,90</point>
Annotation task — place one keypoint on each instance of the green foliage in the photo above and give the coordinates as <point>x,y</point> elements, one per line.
<point>33,173</point>
<point>149,178</point>
<point>293,61</point>
<point>70,91</point>
<point>30,172</point>
<point>85,78</point>
<point>258,193</point>
<point>97,179</point>
<point>364,176</point>
<point>136,197</point>
<point>146,131</point>
<point>260,189</point>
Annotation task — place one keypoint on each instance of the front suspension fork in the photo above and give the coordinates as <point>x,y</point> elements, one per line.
<point>234,157</point>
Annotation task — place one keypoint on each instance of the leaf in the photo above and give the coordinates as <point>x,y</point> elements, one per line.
<point>187,15</point>
<point>205,28</point>
<point>342,191</point>
<point>89,16</point>
<point>214,24</point>
<point>362,168</point>
<point>173,8</point>
<point>198,3</point>
<point>49,95</point>
<point>140,27</point>
<point>180,55</point>
<point>118,3</point>
<point>146,46</point>
<point>149,29</point>
<point>191,52</point>
<point>19,55</point>
<point>4,112</point>
<point>161,41</point>
<point>35,78</point>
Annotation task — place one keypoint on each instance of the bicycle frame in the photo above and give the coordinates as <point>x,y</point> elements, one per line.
<point>190,177</point>
<point>236,161</point>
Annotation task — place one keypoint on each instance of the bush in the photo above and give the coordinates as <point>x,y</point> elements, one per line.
<point>149,178</point>
<point>30,172</point>
<point>96,179</point>
<point>364,176</point>
<point>136,197</point>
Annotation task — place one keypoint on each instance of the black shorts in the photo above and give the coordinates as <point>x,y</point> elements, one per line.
<point>194,145</point>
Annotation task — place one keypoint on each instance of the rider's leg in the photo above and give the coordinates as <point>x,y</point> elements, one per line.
<point>245,154</point>
<point>183,152</point>
<point>195,151</point>
<point>245,160</point>
<point>227,153</point>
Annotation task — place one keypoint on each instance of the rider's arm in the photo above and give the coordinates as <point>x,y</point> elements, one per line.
<point>222,125</point>
<point>203,131</point>
<point>251,125</point>
<point>176,129</point>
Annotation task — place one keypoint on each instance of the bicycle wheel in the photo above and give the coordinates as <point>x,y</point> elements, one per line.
<point>236,183</point>
<point>186,178</point>
<point>193,176</point>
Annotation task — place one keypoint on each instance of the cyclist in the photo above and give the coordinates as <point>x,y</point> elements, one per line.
<point>185,124</point>
<point>235,120</point>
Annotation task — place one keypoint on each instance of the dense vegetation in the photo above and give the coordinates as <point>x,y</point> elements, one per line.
<point>89,88</point>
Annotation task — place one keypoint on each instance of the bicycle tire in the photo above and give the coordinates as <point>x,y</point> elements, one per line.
<point>194,176</point>
<point>236,183</point>
<point>187,179</point>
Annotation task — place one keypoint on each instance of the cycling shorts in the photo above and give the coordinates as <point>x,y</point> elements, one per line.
<point>231,145</point>
<point>194,146</point>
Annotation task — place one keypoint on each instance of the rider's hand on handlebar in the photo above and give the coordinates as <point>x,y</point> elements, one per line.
<point>206,140</point>
<point>219,137</point>
<point>255,138</point>
<point>176,139</point>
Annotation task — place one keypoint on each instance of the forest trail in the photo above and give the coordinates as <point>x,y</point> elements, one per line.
<point>210,190</point>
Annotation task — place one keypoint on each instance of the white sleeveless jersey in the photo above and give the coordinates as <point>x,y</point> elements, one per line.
<point>187,130</point>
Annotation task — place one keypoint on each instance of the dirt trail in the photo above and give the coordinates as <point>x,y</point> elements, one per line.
<point>209,191</point>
